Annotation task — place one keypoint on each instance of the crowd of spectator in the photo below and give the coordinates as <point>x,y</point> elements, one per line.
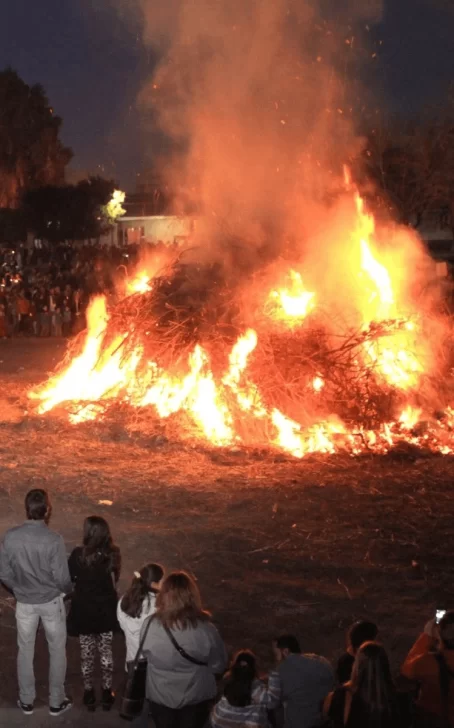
<point>187,679</point>
<point>45,289</point>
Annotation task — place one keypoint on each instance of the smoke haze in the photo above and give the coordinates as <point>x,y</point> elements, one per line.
<point>260,100</point>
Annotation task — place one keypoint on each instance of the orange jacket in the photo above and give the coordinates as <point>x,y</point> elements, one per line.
<point>422,667</point>
<point>23,306</point>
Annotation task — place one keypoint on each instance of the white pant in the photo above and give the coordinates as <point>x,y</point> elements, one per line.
<point>53,616</point>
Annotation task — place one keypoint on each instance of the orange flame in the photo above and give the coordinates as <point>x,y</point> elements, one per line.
<point>139,284</point>
<point>293,303</point>
<point>223,406</point>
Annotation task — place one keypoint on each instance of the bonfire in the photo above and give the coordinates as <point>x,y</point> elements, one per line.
<point>290,359</point>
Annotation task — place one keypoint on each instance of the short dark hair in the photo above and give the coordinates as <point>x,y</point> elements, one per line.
<point>446,630</point>
<point>37,504</point>
<point>361,632</point>
<point>288,642</point>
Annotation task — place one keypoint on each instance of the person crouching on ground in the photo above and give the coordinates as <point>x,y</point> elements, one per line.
<point>305,681</point>
<point>185,653</point>
<point>95,570</point>
<point>33,565</point>
<point>359,633</point>
<point>430,664</point>
<point>137,604</point>
<point>246,700</point>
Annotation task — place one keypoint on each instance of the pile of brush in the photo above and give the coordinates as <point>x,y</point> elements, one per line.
<point>306,371</point>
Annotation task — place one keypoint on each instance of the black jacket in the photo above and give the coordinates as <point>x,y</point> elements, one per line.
<point>94,601</point>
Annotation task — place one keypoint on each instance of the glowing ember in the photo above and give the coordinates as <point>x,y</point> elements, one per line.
<point>318,384</point>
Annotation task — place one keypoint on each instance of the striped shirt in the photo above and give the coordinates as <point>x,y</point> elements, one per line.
<point>254,715</point>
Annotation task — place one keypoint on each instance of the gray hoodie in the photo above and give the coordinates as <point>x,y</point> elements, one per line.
<point>305,681</point>
<point>174,681</point>
<point>33,563</point>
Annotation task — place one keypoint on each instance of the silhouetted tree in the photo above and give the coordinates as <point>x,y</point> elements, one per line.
<point>69,212</point>
<point>12,226</point>
<point>412,164</point>
<point>92,196</point>
<point>31,153</point>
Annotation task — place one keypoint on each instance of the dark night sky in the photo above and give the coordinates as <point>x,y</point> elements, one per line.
<point>92,65</point>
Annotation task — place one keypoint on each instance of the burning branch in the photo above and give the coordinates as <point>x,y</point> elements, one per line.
<point>253,364</point>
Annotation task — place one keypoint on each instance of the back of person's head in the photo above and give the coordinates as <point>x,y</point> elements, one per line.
<point>97,539</point>
<point>144,582</point>
<point>179,601</point>
<point>446,630</point>
<point>37,505</point>
<point>372,682</point>
<point>240,679</point>
<point>361,632</point>
<point>245,660</point>
<point>289,643</point>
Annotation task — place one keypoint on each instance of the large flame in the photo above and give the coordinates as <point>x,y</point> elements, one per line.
<point>231,407</point>
<point>293,302</point>
<point>139,284</point>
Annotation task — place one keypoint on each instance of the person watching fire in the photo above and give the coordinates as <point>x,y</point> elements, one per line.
<point>430,664</point>
<point>359,633</point>
<point>33,565</point>
<point>247,699</point>
<point>185,653</point>
<point>95,571</point>
<point>305,680</point>
<point>137,604</point>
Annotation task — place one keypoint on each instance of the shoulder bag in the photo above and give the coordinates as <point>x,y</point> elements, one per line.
<point>134,691</point>
<point>183,652</point>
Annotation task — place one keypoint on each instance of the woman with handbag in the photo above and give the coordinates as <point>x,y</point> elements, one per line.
<point>136,606</point>
<point>185,653</point>
<point>95,569</point>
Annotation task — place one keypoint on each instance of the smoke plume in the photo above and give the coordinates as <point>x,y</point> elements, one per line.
<point>259,99</point>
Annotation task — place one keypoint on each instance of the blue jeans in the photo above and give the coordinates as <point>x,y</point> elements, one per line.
<point>53,616</point>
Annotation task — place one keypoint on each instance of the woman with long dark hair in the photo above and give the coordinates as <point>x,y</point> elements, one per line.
<point>137,604</point>
<point>95,570</point>
<point>184,652</point>
<point>246,700</point>
<point>370,698</point>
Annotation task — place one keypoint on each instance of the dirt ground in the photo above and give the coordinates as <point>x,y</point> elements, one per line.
<point>276,544</point>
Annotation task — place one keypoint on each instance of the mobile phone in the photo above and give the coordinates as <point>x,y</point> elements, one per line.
<point>439,614</point>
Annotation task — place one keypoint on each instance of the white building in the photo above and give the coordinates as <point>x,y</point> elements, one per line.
<point>168,229</point>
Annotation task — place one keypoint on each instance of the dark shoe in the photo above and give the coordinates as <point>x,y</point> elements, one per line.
<point>26,709</point>
<point>90,700</point>
<point>62,708</point>
<point>108,699</point>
